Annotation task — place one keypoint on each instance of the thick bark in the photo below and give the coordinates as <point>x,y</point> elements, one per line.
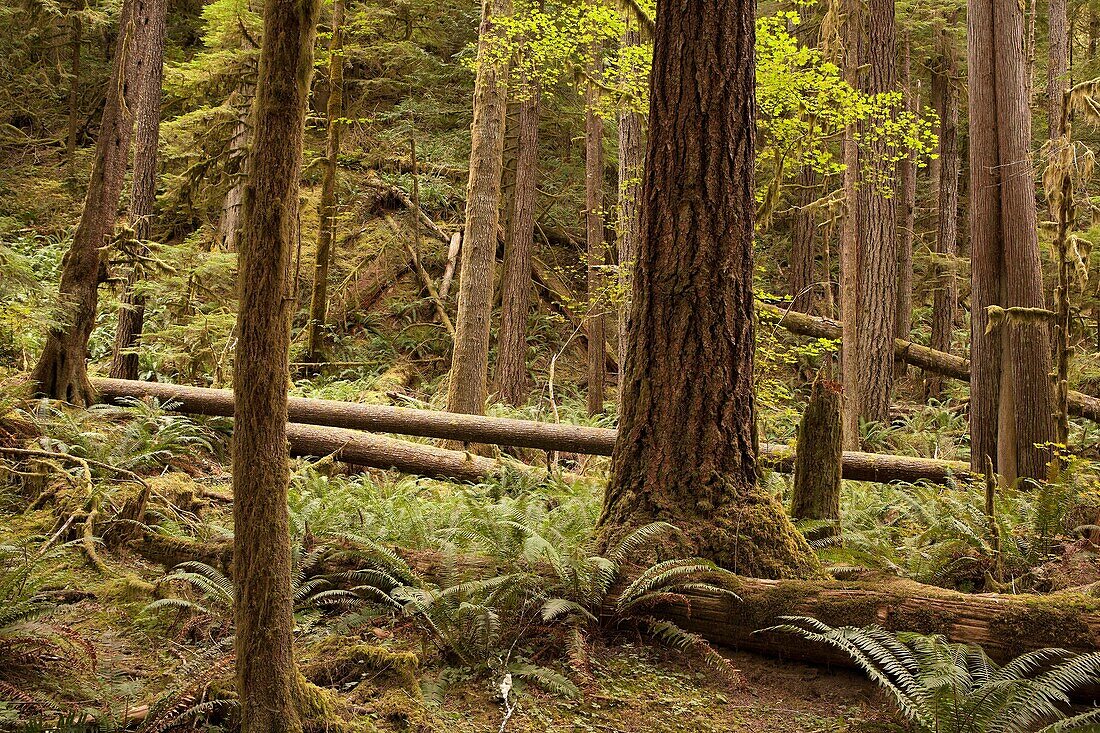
<point>631,163</point>
<point>318,303</point>
<point>903,313</point>
<point>594,236</point>
<point>467,389</point>
<point>1011,401</point>
<point>229,223</point>
<point>61,371</point>
<point>876,229</point>
<point>267,680</point>
<point>818,464</point>
<point>511,367</point>
<point>849,242</point>
<point>501,431</point>
<point>686,451</point>
<point>131,313</point>
<point>945,293</point>
<point>803,232</point>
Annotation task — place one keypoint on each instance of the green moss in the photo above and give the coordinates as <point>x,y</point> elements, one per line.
<point>1046,622</point>
<point>338,659</point>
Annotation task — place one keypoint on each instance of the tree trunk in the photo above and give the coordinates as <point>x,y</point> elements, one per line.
<point>511,368</point>
<point>61,372</point>
<point>131,312</point>
<point>229,223</point>
<point>267,680</point>
<point>76,40</point>
<point>559,437</point>
<point>819,461</point>
<point>1057,63</point>
<point>467,390</point>
<point>631,164</point>
<point>945,292</point>
<point>876,228</point>
<point>594,235</point>
<point>922,357</point>
<point>903,316</point>
<point>802,282</point>
<point>849,242</point>
<point>1010,390</point>
<point>686,451</point>
<point>318,304</point>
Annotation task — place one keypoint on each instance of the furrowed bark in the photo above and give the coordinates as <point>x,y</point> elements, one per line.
<point>467,388</point>
<point>131,313</point>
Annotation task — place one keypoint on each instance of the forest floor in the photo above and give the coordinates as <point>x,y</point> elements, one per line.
<point>634,686</point>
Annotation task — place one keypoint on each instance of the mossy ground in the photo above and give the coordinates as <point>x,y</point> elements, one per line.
<point>633,687</point>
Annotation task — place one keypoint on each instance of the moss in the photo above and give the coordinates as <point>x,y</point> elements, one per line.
<point>338,659</point>
<point>922,620</point>
<point>1046,622</point>
<point>402,711</point>
<point>129,587</point>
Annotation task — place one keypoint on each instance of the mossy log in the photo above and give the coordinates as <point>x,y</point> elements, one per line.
<point>930,360</point>
<point>1003,625</point>
<point>426,460</point>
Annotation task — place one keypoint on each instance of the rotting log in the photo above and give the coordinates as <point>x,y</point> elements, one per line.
<point>500,431</point>
<point>1003,625</point>
<point>930,360</point>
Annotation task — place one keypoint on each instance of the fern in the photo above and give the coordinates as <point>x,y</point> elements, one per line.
<point>944,687</point>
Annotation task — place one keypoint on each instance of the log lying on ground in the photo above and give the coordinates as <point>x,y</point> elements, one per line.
<point>496,430</point>
<point>376,451</point>
<point>949,365</point>
<point>1004,625</point>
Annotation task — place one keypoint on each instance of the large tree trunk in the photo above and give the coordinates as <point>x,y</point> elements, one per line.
<point>876,228</point>
<point>802,282</point>
<point>849,243</point>
<point>686,451</point>
<point>318,304</point>
<point>267,680</point>
<point>631,163</point>
<point>1010,390</point>
<point>594,236</point>
<point>511,368</point>
<point>467,389</point>
<point>903,315</point>
<point>945,292</point>
<point>501,431</point>
<point>131,313</point>
<point>61,372</point>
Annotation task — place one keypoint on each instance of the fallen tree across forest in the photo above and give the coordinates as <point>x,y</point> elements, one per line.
<point>930,360</point>
<point>1004,625</point>
<point>374,451</point>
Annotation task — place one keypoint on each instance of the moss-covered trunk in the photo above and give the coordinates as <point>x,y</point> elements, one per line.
<point>268,683</point>
<point>686,451</point>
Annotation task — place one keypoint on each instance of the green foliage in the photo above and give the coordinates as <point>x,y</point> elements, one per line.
<point>943,687</point>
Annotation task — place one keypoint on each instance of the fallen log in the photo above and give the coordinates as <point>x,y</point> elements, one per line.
<point>500,431</point>
<point>931,360</point>
<point>1003,625</point>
